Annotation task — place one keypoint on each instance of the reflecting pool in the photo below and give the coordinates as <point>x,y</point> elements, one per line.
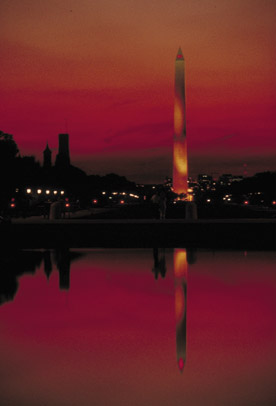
<point>137,327</point>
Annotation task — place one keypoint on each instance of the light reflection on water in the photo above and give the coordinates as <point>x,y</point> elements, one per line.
<point>137,327</point>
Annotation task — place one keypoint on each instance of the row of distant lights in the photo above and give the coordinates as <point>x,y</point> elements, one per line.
<point>95,201</point>
<point>121,194</point>
<point>47,192</point>
<point>246,202</point>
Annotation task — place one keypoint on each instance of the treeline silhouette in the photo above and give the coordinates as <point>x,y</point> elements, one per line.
<point>19,172</point>
<point>259,189</point>
<point>16,263</point>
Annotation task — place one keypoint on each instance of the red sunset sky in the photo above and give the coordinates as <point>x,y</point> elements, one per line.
<point>108,68</point>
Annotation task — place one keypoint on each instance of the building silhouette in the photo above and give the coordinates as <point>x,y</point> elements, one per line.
<point>159,267</point>
<point>63,262</point>
<point>48,267</point>
<point>63,156</point>
<point>47,157</point>
<point>180,161</point>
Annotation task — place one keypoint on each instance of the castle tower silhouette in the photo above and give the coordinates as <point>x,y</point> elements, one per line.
<point>63,156</point>
<point>47,157</point>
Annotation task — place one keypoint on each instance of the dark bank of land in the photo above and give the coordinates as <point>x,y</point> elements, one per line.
<point>217,227</point>
<point>257,234</point>
<point>177,211</point>
<point>230,214</point>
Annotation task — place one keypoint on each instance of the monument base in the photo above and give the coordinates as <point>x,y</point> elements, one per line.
<point>190,211</point>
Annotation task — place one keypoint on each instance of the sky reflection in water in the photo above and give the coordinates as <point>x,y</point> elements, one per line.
<point>138,327</point>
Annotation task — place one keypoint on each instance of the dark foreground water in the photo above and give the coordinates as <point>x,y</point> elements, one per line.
<point>137,327</point>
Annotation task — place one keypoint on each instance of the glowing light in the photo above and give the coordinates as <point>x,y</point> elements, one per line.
<point>179,303</point>
<point>208,200</point>
<point>67,205</point>
<point>13,199</point>
<point>95,201</point>
<point>180,263</point>
<point>62,192</point>
<point>180,167</point>
<point>178,117</point>
<point>180,162</point>
<point>274,202</point>
<point>12,204</point>
<point>29,191</point>
<point>39,191</point>
<point>47,192</point>
<point>122,201</point>
<point>246,202</point>
<point>55,192</point>
<point>180,272</point>
<point>180,364</point>
<point>103,193</point>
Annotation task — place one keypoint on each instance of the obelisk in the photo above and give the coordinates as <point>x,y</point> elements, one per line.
<point>180,162</point>
<point>180,273</point>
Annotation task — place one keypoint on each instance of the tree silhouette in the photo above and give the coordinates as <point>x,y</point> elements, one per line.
<point>8,154</point>
<point>8,148</point>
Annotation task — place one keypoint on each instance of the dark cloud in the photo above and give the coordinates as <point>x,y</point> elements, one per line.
<point>227,137</point>
<point>145,166</point>
<point>145,130</point>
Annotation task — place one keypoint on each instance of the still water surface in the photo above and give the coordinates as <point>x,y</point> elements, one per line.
<point>138,327</point>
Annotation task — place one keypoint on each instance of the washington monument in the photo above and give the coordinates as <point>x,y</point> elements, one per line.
<point>180,162</point>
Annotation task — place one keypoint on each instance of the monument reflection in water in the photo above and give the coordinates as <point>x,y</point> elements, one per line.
<point>180,272</point>
<point>117,327</point>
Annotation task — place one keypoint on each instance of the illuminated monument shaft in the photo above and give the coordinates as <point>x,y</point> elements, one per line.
<point>180,162</point>
<point>180,273</point>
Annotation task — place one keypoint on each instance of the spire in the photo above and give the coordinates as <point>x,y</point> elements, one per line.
<point>179,55</point>
<point>47,154</point>
<point>47,147</point>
